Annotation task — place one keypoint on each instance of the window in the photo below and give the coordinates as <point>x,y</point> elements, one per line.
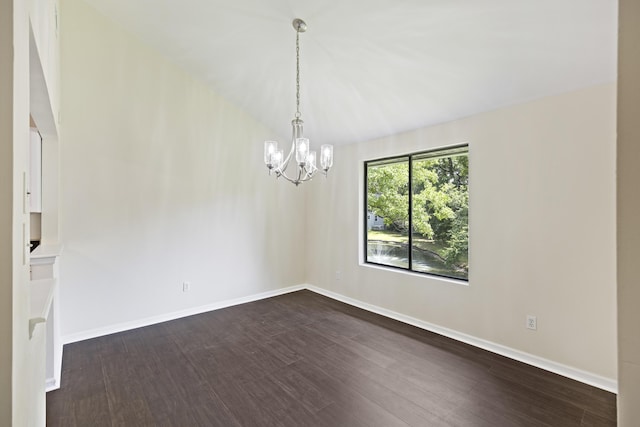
<point>421,206</point>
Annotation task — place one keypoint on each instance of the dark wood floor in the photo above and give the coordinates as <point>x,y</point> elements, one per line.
<point>305,360</point>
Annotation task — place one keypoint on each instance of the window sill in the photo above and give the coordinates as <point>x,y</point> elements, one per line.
<point>413,273</point>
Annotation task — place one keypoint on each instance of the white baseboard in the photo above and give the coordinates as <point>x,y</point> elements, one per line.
<point>126,326</point>
<point>530,359</point>
<point>51,384</point>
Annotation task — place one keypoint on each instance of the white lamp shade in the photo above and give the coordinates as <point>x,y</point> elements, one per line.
<point>270,149</point>
<point>326,156</point>
<point>277,159</point>
<point>302,150</point>
<point>311,162</point>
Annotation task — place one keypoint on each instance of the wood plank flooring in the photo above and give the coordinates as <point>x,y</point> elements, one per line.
<point>305,360</point>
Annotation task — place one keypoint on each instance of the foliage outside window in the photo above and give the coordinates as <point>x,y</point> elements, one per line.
<point>417,212</point>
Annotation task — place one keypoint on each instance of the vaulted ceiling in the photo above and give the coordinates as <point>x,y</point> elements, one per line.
<point>376,67</point>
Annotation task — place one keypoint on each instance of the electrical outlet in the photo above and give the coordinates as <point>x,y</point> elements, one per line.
<point>338,275</point>
<point>532,322</point>
<point>186,286</point>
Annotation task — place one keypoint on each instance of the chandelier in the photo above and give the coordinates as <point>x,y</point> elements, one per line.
<point>301,159</point>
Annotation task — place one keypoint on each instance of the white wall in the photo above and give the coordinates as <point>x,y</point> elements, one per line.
<point>28,403</point>
<point>628,214</point>
<point>162,181</point>
<point>45,102</point>
<point>542,230</point>
<point>22,397</point>
<point>43,16</point>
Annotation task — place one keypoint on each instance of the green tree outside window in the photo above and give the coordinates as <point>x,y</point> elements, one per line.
<point>435,227</point>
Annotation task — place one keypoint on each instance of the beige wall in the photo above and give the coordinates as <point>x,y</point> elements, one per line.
<point>628,213</point>
<point>162,181</point>
<point>6,207</point>
<point>542,230</point>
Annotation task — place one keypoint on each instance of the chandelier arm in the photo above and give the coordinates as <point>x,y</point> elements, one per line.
<point>289,179</point>
<point>303,175</point>
<point>311,173</point>
<point>285,162</point>
<point>308,173</point>
<point>308,177</point>
<point>282,173</point>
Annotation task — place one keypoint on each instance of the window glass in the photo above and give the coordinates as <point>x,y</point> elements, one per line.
<point>417,210</point>
<point>388,204</point>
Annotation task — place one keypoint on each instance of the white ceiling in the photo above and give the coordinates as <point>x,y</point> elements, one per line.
<point>376,67</point>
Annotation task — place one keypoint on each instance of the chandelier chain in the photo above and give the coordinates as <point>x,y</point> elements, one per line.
<point>297,74</point>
